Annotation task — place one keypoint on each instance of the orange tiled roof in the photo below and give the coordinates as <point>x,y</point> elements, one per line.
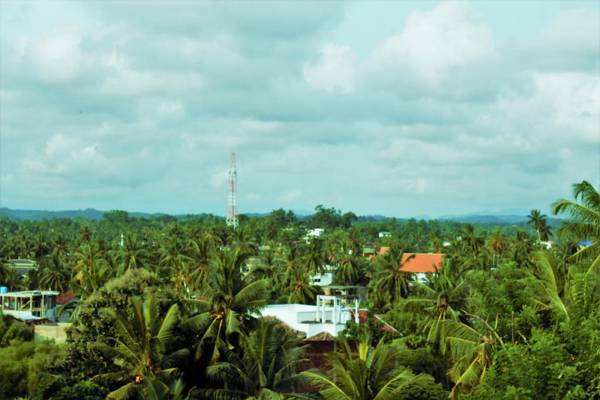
<point>422,262</point>
<point>383,250</point>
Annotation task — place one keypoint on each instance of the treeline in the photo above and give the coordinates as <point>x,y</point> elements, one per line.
<point>169,307</point>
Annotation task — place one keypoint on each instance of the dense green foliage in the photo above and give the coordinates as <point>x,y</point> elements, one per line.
<point>169,307</point>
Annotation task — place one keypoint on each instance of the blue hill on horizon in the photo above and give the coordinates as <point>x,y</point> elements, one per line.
<point>95,215</point>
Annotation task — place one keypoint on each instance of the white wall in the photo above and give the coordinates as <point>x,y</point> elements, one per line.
<point>303,318</point>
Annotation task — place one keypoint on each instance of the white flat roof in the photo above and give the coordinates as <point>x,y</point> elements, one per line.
<point>29,293</point>
<point>289,307</point>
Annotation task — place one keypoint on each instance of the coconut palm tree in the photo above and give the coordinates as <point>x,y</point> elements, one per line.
<point>521,249</point>
<point>585,220</point>
<point>348,270</point>
<point>313,259</point>
<point>344,252</point>
<point>202,247</point>
<point>133,254</point>
<point>498,245</point>
<point>174,252</point>
<point>471,351</point>
<point>266,367</point>
<point>375,374</point>
<point>52,274</point>
<point>270,265</point>
<point>389,284</point>
<point>223,316</point>
<point>60,246</point>
<point>539,222</point>
<point>140,349</point>
<point>552,278</point>
<point>566,293</point>
<point>297,285</point>
<point>435,302</point>
<point>299,288</point>
<point>90,268</point>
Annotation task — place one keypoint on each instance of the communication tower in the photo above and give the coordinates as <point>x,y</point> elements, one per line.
<point>232,219</point>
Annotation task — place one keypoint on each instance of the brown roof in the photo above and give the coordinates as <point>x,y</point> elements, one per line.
<point>65,297</point>
<point>422,262</point>
<point>321,337</point>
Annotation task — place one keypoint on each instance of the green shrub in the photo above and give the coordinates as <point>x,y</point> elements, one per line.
<point>13,329</point>
<point>424,389</point>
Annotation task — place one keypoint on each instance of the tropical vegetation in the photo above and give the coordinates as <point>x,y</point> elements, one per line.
<point>169,307</point>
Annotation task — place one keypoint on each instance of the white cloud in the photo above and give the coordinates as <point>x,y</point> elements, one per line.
<point>67,156</point>
<point>573,31</point>
<point>438,116</point>
<point>333,71</point>
<point>573,100</point>
<point>432,48</point>
<point>57,56</point>
<point>562,109</point>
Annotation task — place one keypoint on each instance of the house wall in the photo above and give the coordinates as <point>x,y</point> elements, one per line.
<point>55,332</point>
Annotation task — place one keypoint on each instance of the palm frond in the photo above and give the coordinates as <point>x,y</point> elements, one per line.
<point>330,390</point>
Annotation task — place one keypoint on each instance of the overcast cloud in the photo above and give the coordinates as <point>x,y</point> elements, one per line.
<point>399,109</point>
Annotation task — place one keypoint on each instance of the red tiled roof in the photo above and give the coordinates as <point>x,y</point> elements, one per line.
<point>422,262</point>
<point>65,297</point>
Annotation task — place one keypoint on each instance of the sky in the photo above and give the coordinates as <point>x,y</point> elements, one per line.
<point>391,108</point>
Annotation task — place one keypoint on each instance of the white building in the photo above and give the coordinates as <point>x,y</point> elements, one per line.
<point>323,279</point>
<point>328,315</point>
<point>384,235</point>
<point>22,266</point>
<point>29,305</point>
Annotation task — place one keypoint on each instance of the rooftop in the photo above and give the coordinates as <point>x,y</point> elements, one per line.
<point>418,262</point>
<point>29,293</point>
<point>422,262</point>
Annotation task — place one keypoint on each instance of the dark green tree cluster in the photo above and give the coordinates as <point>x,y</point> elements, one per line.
<point>170,307</point>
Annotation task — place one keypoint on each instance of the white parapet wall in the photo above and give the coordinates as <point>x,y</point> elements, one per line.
<point>56,332</point>
<point>310,319</point>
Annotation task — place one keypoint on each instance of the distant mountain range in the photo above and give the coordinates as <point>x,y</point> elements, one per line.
<point>496,218</point>
<point>500,217</point>
<point>88,213</point>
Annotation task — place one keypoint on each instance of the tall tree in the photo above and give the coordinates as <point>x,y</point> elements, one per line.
<point>389,284</point>
<point>471,351</point>
<point>374,374</point>
<point>224,315</point>
<point>435,302</point>
<point>584,223</point>
<point>53,275</point>
<point>539,222</point>
<point>267,365</point>
<point>498,245</point>
<point>140,349</point>
<point>90,268</point>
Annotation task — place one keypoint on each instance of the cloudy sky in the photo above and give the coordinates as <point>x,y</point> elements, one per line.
<point>394,108</point>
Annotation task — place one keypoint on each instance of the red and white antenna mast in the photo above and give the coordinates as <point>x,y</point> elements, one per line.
<point>232,219</point>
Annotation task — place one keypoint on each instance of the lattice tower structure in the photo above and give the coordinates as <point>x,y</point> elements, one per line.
<point>232,216</point>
